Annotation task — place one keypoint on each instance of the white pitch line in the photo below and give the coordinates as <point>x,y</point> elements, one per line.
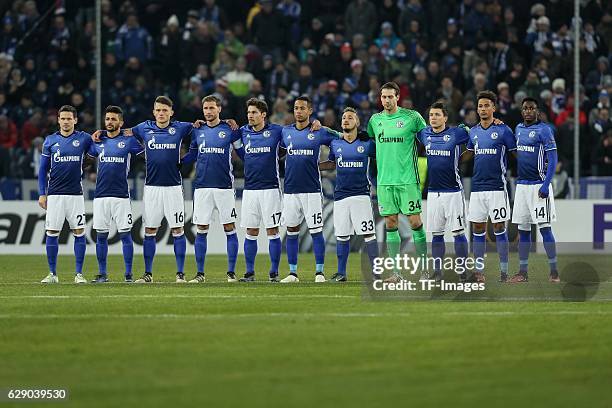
<point>212,296</point>
<point>290,315</point>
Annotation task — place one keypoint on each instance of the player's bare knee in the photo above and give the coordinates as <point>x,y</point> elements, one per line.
<point>499,227</point>
<point>177,231</point>
<point>272,231</point>
<point>202,229</point>
<point>415,221</point>
<point>79,232</point>
<point>150,231</point>
<point>254,232</point>
<point>480,227</point>
<point>293,229</point>
<point>229,227</point>
<point>391,221</point>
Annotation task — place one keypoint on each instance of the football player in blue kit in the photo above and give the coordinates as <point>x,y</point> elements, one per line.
<point>112,196</point>
<point>489,144</point>
<point>353,214</point>
<point>534,200</point>
<point>60,189</point>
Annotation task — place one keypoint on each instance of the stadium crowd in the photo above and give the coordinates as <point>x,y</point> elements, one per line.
<point>338,52</point>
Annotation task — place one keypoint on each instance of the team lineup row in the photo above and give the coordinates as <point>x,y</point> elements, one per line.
<point>391,141</point>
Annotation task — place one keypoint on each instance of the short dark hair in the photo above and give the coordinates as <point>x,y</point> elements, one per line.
<point>350,109</point>
<point>304,98</point>
<point>259,104</point>
<point>440,105</point>
<point>164,100</point>
<point>67,108</point>
<point>490,95</point>
<point>391,85</point>
<point>530,99</point>
<point>211,98</point>
<point>114,109</point>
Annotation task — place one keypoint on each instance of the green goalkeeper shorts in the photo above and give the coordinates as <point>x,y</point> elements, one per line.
<point>405,199</point>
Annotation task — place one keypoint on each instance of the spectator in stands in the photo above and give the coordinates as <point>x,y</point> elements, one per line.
<point>169,51</point>
<point>213,14</point>
<point>134,41</point>
<point>239,80</point>
<point>280,113</point>
<point>604,150</point>
<point>269,30</point>
<point>597,78</point>
<point>28,164</point>
<point>360,18</point>
<point>560,181</point>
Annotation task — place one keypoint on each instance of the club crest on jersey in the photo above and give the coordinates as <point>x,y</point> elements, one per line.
<point>339,150</point>
<point>121,145</point>
<point>446,138</point>
<point>532,134</point>
<point>172,130</point>
<point>266,133</point>
<point>494,135</point>
<point>429,138</point>
<point>76,143</point>
<point>399,124</point>
<point>310,136</point>
<point>360,149</point>
<point>222,135</point>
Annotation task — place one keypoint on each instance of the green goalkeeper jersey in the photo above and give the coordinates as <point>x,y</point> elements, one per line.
<point>396,148</point>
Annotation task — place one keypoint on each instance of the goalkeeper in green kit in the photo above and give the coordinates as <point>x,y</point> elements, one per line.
<point>394,130</point>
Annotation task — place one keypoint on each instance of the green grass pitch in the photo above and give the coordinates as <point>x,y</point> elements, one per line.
<point>302,345</point>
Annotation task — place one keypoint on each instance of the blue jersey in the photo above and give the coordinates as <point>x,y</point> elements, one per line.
<point>490,147</point>
<point>66,156</point>
<point>443,150</point>
<point>302,161</point>
<point>214,162</point>
<point>532,144</point>
<point>352,166</point>
<point>163,151</point>
<point>261,157</point>
<point>114,154</point>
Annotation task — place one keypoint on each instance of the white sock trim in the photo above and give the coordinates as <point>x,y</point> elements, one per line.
<point>524,227</point>
<point>148,234</point>
<point>458,233</point>
<point>343,239</point>
<point>82,234</point>
<point>102,231</point>
<point>251,237</point>
<point>479,234</point>
<point>500,232</point>
<point>316,230</point>
<point>275,236</point>
<point>177,235</point>
<point>293,232</point>
<point>437,234</point>
<point>369,239</point>
<point>53,234</point>
<point>232,232</point>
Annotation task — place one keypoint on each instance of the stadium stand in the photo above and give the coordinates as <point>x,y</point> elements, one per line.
<point>338,52</point>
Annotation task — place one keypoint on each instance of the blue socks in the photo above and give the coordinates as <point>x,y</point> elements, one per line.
<point>52,247</point>
<point>501,241</point>
<point>318,245</point>
<point>200,247</point>
<point>250,252</point>
<point>102,251</point>
<point>180,248</point>
<point>292,251</point>
<point>232,250</point>
<point>148,251</point>
<point>343,248</point>
<point>524,247</point>
<point>479,246</point>
<point>438,249</point>
<point>371,249</point>
<point>79,251</point>
<point>461,246</point>
<point>128,251</point>
<point>275,248</point>
<point>550,248</point>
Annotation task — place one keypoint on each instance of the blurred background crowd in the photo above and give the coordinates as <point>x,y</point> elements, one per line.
<point>338,52</point>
